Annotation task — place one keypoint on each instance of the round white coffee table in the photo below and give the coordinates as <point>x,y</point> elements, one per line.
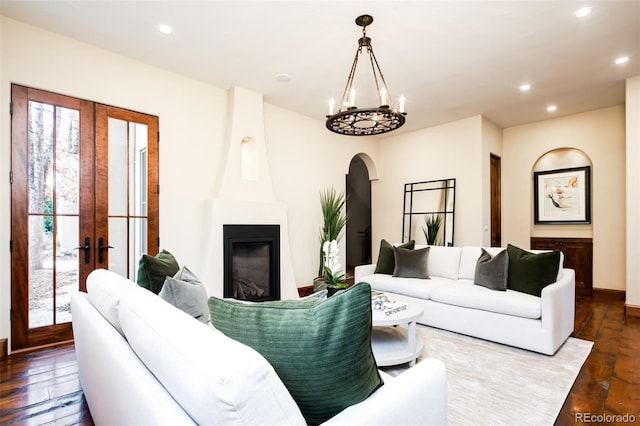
<point>393,337</point>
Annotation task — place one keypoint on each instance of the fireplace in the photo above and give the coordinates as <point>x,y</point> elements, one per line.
<point>252,262</point>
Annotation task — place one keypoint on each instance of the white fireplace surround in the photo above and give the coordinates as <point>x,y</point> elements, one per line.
<point>246,194</point>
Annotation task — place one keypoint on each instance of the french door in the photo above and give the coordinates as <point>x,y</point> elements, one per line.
<point>84,195</point>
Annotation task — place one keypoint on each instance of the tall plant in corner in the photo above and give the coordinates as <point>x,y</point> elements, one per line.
<point>334,217</point>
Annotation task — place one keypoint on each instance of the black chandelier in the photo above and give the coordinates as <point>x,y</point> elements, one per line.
<point>353,121</point>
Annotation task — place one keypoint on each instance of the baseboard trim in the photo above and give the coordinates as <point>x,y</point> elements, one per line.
<point>632,310</point>
<point>4,348</point>
<point>619,294</point>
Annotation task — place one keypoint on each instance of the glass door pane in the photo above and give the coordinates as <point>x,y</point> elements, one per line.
<point>128,194</point>
<point>53,171</point>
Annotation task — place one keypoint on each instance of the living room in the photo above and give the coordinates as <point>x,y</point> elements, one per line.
<point>303,158</point>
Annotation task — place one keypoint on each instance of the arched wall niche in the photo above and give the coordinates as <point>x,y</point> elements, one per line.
<point>562,158</point>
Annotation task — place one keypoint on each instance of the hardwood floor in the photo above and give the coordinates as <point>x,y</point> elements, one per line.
<point>42,387</point>
<point>609,381</point>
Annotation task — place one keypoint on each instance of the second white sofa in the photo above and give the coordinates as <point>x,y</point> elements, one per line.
<point>452,301</point>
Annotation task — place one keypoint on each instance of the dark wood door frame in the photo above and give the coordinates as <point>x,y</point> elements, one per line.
<point>92,214</point>
<point>496,200</point>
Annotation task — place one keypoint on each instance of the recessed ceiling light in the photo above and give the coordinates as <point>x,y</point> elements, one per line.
<point>552,108</point>
<point>525,87</point>
<point>283,77</point>
<point>622,60</point>
<point>584,11</point>
<point>165,29</point>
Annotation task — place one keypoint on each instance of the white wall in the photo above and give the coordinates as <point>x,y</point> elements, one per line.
<point>600,134</point>
<point>452,150</point>
<point>633,193</point>
<point>304,157</point>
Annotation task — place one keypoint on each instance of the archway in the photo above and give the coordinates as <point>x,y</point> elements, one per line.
<point>358,230</point>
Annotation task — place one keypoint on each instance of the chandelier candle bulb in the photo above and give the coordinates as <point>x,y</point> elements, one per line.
<point>331,106</point>
<point>383,96</point>
<point>352,98</point>
<point>401,104</point>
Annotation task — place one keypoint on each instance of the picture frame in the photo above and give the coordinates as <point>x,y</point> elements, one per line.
<point>562,196</point>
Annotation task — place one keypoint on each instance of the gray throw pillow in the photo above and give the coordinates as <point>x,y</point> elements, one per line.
<point>386,259</point>
<point>492,271</point>
<point>185,291</point>
<point>411,263</point>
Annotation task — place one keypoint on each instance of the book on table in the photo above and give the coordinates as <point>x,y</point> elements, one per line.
<point>380,302</point>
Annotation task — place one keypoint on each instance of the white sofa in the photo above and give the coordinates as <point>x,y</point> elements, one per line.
<point>452,301</point>
<point>142,361</point>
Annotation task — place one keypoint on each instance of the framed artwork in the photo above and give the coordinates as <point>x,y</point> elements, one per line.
<point>563,195</point>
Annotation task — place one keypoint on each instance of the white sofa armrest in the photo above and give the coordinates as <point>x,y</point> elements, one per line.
<point>558,306</point>
<point>417,396</point>
<point>362,271</point>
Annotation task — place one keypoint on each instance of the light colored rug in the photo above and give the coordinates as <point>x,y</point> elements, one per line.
<point>493,384</point>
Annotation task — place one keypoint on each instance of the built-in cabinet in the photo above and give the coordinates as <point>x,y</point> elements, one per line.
<point>578,255</point>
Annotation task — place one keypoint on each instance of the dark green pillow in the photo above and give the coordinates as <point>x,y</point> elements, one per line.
<point>411,263</point>
<point>492,271</point>
<point>321,349</point>
<point>530,273</point>
<point>153,270</point>
<point>386,261</point>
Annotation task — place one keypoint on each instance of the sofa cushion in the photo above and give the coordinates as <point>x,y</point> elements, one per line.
<point>411,263</point>
<point>215,379</point>
<point>152,270</point>
<point>414,287</point>
<point>463,293</point>
<point>105,290</point>
<point>321,349</point>
<point>492,272</point>
<point>386,259</point>
<point>530,273</point>
<point>444,261</point>
<point>469,259</point>
<point>185,291</point>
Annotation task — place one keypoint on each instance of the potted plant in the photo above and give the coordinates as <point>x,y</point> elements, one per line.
<point>433,222</point>
<point>333,275</point>
<point>334,220</point>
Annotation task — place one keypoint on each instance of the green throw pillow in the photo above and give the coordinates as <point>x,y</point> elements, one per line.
<point>530,273</point>
<point>321,349</point>
<point>153,270</point>
<point>386,260</point>
<point>492,271</point>
<point>411,263</point>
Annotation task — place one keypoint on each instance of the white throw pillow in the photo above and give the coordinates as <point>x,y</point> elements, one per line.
<point>215,379</point>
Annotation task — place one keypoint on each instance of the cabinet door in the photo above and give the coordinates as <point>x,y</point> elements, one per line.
<point>578,255</point>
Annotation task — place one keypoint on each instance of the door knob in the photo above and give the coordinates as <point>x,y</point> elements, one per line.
<point>87,249</point>
<point>101,249</point>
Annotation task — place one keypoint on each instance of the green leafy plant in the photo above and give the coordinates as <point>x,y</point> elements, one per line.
<point>334,216</point>
<point>433,222</point>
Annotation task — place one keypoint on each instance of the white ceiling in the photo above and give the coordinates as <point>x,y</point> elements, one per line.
<point>450,59</point>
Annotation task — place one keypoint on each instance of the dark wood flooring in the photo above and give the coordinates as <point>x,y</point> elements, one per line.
<point>42,387</point>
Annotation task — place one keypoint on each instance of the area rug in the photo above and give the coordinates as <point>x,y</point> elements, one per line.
<point>493,384</point>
